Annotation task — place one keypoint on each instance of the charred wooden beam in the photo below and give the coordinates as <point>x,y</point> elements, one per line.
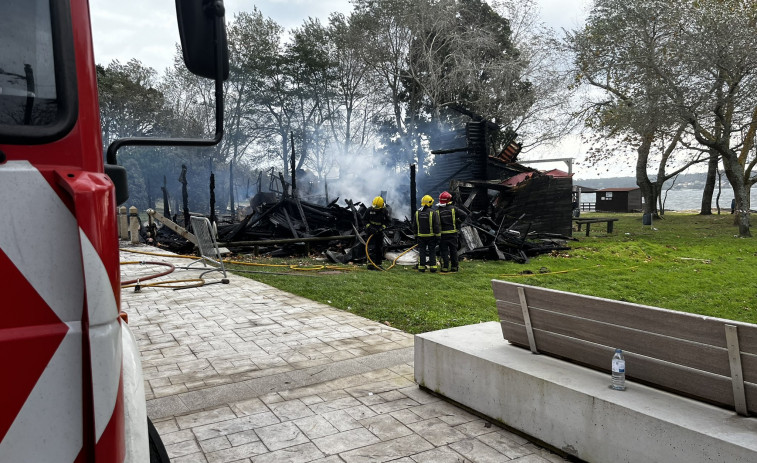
<point>451,150</point>
<point>311,239</point>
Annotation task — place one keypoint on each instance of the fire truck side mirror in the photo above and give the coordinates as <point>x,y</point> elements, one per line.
<point>117,175</point>
<point>202,29</point>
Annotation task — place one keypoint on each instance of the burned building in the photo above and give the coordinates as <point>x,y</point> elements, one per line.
<point>525,199</point>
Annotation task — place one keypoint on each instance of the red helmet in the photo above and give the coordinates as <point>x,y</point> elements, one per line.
<point>445,197</point>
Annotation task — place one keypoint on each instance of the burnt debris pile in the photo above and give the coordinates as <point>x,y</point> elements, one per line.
<point>286,226</point>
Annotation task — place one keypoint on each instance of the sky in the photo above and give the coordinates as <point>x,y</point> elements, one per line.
<point>147,30</point>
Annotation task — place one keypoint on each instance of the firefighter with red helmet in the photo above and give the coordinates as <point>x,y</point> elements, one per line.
<point>427,234</point>
<point>449,220</point>
<point>378,218</point>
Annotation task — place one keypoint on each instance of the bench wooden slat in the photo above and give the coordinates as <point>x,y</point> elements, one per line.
<point>687,353</point>
<point>696,328</point>
<point>702,385</point>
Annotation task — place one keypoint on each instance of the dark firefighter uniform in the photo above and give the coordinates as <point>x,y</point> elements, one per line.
<point>449,219</point>
<point>377,219</point>
<point>428,231</point>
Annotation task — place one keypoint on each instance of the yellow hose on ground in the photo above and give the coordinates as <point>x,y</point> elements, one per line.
<point>251,264</point>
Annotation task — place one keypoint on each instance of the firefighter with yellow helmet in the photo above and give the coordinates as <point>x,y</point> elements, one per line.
<point>428,230</point>
<point>377,218</point>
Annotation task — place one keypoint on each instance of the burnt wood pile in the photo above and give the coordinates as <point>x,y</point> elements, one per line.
<point>284,226</point>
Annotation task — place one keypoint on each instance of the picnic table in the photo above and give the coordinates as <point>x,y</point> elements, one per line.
<point>590,220</point>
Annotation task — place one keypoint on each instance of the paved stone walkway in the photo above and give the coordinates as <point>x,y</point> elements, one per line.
<point>244,372</point>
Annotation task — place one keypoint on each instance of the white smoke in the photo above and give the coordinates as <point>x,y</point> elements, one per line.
<point>363,176</point>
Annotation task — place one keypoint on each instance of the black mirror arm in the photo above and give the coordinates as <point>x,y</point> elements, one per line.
<point>111,157</point>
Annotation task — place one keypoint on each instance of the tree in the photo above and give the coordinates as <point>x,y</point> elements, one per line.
<point>710,74</point>
<point>614,53</point>
<point>130,103</point>
<point>354,103</point>
<point>312,75</point>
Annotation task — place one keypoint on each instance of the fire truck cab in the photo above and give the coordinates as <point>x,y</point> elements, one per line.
<point>71,388</point>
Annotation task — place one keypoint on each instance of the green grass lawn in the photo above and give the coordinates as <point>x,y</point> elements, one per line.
<point>685,262</point>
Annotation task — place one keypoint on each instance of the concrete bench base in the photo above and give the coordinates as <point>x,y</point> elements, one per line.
<point>572,408</point>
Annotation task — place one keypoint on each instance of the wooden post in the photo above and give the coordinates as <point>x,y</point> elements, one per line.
<point>413,197</point>
<point>737,375</point>
<point>123,223</point>
<point>184,195</point>
<point>527,320</point>
<point>134,225</point>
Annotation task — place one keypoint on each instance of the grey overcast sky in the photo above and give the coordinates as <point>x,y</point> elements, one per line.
<point>146,29</point>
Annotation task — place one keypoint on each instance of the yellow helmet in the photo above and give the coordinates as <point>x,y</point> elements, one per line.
<point>427,201</point>
<point>378,202</point>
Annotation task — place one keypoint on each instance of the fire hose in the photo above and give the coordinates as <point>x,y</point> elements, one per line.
<point>138,285</point>
<point>255,264</point>
<point>394,262</point>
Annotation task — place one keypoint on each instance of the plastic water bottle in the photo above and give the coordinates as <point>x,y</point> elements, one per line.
<point>618,371</point>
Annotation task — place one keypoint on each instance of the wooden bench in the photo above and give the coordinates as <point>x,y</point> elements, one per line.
<point>710,359</point>
<point>588,221</point>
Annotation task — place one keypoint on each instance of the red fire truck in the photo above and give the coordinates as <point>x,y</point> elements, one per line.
<point>71,387</point>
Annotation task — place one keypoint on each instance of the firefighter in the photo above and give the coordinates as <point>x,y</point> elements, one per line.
<point>449,220</point>
<point>378,218</point>
<point>428,232</point>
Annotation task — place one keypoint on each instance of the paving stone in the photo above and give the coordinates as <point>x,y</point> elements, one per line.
<point>338,404</point>
<point>332,459</point>
<point>165,425</point>
<point>244,437</point>
<point>406,416</point>
<point>182,448</point>
<point>344,441</point>
<point>439,455</point>
<point>531,459</point>
<point>506,442</point>
<point>249,407</point>
<point>193,458</point>
<point>237,453</point>
<point>544,453</point>
<point>387,451</point>
<point>215,395</point>
<point>312,399</point>
<point>386,427</point>
<point>170,438</point>
<point>200,418</point>
<point>475,428</point>
<point>341,420</point>
<point>298,454</point>
<point>419,395</point>
<point>437,431</point>
<point>360,412</point>
<point>232,426</point>
<point>437,409</point>
<point>291,410</point>
<point>282,435</point>
<point>315,426</point>
<point>477,451</point>
<point>212,445</point>
<point>388,407</point>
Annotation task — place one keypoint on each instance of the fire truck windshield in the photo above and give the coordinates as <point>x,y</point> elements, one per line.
<point>27,71</point>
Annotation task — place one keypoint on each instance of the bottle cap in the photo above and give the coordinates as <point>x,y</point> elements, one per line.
<point>618,350</point>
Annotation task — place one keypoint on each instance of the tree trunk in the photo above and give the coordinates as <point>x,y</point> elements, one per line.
<point>231,185</point>
<point>642,179</point>
<point>734,171</point>
<point>709,186</point>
